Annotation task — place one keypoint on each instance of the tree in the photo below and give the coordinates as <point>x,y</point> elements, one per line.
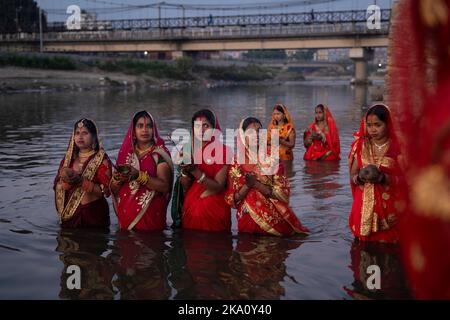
<point>265,54</point>
<point>20,16</point>
<point>304,55</point>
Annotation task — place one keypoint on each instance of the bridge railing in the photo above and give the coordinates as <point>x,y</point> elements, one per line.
<point>227,21</point>
<point>313,30</point>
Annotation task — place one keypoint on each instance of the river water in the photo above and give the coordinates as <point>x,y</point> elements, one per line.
<point>35,252</point>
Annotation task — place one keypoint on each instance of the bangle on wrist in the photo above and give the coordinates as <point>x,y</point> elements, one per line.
<point>143,178</point>
<point>202,178</point>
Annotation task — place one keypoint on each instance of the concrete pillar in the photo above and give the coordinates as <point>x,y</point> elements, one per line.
<point>177,55</point>
<point>360,56</point>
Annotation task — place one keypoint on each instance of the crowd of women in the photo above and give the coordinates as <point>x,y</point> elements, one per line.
<point>384,194</point>
<point>141,182</point>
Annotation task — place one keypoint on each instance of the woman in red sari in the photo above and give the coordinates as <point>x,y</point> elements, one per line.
<point>261,199</point>
<point>81,184</point>
<point>375,178</point>
<point>204,181</point>
<point>419,93</point>
<point>142,184</point>
<point>321,140</point>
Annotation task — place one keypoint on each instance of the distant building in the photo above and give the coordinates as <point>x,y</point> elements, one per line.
<point>231,54</point>
<point>321,55</point>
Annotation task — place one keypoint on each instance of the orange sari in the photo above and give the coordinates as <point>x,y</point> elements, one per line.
<point>376,206</point>
<point>318,150</point>
<point>284,131</point>
<point>256,213</point>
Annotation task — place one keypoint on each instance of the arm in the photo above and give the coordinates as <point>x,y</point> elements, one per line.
<point>354,173</point>
<point>162,181</point>
<point>241,193</point>
<point>215,185</point>
<point>264,189</point>
<point>307,139</point>
<point>290,141</point>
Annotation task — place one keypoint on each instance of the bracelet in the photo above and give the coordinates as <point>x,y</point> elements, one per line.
<point>202,178</point>
<point>115,180</point>
<point>143,178</point>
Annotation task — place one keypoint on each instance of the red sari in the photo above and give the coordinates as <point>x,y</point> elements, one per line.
<point>376,207</point>
<point>318,150</point>
<point>136,206</point>
<point>201,209</point>
<point>72,213</point>
<point>419,84</point>
<point>256,213</point>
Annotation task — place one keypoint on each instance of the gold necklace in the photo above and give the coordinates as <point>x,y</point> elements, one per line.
<point>380,147</point>
<point>143,151</point>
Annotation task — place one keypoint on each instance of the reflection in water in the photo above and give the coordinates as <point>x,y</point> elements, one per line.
<point>141,267</point>
<point>200,260</point>
<point>387,257</point>
<point>320,178</point>
<point>289,168</point>
<point>195,264</point>
<point>85,248</point>
<point>360,95</point>
<point>258,267</point>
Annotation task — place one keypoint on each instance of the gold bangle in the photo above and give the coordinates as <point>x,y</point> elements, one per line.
<point>143,177</point>
<point>202,178</point>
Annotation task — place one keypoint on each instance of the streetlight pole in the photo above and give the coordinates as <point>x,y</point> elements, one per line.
<point>41,43</point>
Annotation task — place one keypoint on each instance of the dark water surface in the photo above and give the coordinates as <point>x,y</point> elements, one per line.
<point>35,253</point>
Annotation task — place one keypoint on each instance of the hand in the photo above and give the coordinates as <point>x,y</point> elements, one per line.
<point>70,176</point>
<point>121,178</point>
<point>370,174</point>
<point>134,173</point>
<point>123,173</point>
<point>189,168</point>
<point>250,180</point>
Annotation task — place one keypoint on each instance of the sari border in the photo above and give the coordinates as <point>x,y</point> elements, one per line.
<point>78,194</point>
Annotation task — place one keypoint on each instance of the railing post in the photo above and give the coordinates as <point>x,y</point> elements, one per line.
<point>41,44</point>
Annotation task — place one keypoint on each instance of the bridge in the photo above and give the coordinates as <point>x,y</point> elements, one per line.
<point>306,30</point>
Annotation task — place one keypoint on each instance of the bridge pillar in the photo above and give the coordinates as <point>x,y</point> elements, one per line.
<point>361,56</point>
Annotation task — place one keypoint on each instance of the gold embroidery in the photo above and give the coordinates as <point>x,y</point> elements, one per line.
<point>144,201</point>
<point>134,186</point>
<point>385,196</point>
<point>260,221</point>
<point>67,212</point>
<point>430,193</point>
<point>368,206</point>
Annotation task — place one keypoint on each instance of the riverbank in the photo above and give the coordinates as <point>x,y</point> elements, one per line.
<point>22,80</point>
<point>22,73</point>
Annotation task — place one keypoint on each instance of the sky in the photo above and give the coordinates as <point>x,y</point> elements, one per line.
<point>56,9</point>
